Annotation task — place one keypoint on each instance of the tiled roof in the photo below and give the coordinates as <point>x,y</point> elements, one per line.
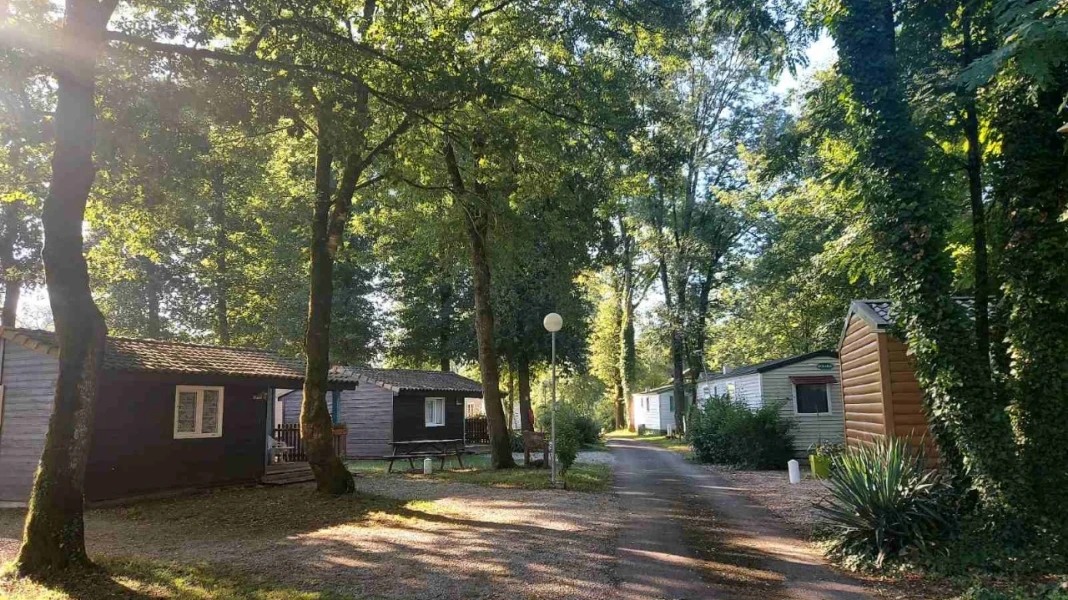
<point>768,365</point>
<point>881,312</point>
<point>156,356</point>
<point>413,380</point>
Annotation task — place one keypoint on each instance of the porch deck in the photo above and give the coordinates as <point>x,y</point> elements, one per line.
<point>287,473</point>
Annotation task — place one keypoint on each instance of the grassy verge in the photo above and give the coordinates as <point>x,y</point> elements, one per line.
<point>144,580</point>
<point>476,470</point>
<point>673,444</point>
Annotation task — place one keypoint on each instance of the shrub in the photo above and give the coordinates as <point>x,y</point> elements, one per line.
<point>725,432</point>
<point>588,430</point>
<point>641,430</point>
<point>567,442</point>
<point>515,437</point>
<point>883,502</point>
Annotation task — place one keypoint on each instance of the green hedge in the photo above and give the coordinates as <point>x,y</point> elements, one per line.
<point>725,432</point>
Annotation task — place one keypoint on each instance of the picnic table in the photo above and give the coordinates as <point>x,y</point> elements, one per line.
<point>441,449</point>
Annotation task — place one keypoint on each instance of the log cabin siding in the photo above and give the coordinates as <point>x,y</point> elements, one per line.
<point>808,428</point>
<point>29,380</point>
<point>409,417</point>
<point>862,382</point>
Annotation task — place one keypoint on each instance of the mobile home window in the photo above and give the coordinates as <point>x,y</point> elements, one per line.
<point>435,412</point>
<point>671,403</point>
<point>198,412</point>
<point>811,398</point>
<point>730,390</point>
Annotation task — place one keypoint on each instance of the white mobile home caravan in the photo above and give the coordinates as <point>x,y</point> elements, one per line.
<point>806,385</point>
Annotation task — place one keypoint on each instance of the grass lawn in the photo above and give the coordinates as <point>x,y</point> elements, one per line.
<point>582,477</point>
<point>673,444</point>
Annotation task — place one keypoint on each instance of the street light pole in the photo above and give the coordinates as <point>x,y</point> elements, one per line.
<point>554,409</point>
<point>553,322</point>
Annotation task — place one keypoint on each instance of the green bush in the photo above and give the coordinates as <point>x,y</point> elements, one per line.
<point>588,429</point>
<point>884,502</point>
<point>515,437</point>
<point>568,440</point>
<point>725,432</point>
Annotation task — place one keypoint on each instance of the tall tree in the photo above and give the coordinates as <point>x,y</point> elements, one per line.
<point>54,537</point>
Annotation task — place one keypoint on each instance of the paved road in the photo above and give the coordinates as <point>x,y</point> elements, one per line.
<point>690,536</point>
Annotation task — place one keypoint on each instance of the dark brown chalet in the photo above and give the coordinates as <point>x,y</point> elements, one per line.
<point>169,416</point>
<point>395,405</point>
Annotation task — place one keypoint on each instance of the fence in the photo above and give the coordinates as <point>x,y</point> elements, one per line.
<point>289,435</point>
<point>475,430</point>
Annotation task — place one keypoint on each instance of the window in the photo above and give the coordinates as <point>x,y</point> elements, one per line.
<point>730,390</point>
<point>811,398</point>
<point>198,412</point>
<point>435,412</point>
<point>671,403</point>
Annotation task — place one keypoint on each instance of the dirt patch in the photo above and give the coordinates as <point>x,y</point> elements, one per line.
<point>398,539</point>
<point>794,504</point>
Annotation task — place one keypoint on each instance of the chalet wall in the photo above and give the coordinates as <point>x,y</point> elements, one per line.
<point>862,370</point>
<point>746,389</point>
<point>667,414</point>
<point>134,451</point>
<point>808,428</point>
<point>29,379</point>
<point>409,418</point>
<point>906,398</point>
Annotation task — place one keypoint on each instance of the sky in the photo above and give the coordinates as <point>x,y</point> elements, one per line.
<point>34,310</point>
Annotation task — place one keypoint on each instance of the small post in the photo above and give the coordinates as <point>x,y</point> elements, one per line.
<point>795,471</point>
<point>428,466</point>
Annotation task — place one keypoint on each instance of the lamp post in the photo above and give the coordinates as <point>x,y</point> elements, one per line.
<point>553,322</point>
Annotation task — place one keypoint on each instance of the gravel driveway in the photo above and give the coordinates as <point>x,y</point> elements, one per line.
<point>445,541</point>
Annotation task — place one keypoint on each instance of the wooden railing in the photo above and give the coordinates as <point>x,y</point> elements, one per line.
<point>289,436</point>
<point>475,430</point>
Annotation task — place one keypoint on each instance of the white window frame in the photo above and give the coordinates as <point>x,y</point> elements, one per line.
<point>435,399</point>
<point>826,392</point>
<point>196,433</point>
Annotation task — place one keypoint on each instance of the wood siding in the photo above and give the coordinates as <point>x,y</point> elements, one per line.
<point>29,379</point>
<point>409,418</point>
<point>809,428</point>
<point>881,392</point>
<point>134,451</point>
<point>906,399</point>
<point>862,382</point>
<point>366,410</point>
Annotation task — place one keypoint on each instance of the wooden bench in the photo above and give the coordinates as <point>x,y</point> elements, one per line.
<point>411,450</point>
<point>534,441</point>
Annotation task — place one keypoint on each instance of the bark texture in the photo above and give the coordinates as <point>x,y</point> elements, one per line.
<point>477,225</point>
<point>316,426</point>
<point>54,536</point>
<point>218,215</point>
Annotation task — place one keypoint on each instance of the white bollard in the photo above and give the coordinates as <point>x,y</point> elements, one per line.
<point>795,471</point>
<point>428,466</point>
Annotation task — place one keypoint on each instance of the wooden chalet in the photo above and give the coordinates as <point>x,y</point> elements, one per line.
<point>170,416</point>
<point>394,405</point>
<point>879,387</point>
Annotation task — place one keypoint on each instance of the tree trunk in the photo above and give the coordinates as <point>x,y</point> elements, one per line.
<point>975,195</point>
<point>1032,183</point>
<point>316,425</point>
<point>477,224</point>
<point>628,355</point>
<point>678,348</point>
<point>54,536</point>
<point>523,368</point>
<point>971,424</point>
<point>218,214</point>
<point>444,325</point>
<point>10,216</point>
<point>152,298</point>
